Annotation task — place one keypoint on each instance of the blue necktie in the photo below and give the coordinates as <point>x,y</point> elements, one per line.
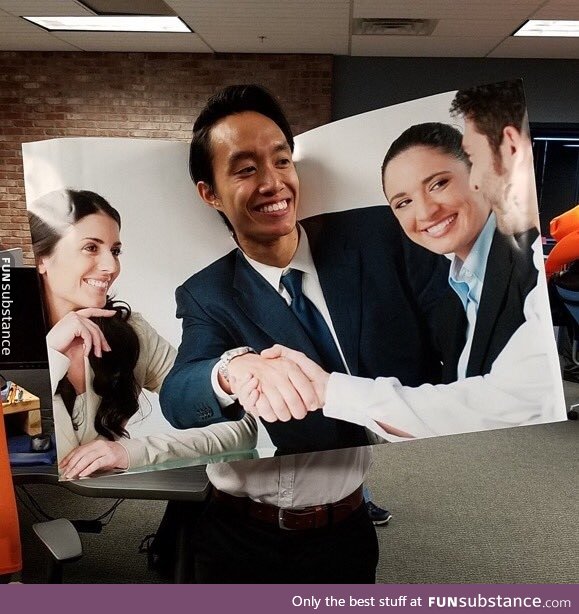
<point>312,322</point>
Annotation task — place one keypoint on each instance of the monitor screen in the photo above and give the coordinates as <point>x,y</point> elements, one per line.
<point>556,153</point>
<point>23,330</point>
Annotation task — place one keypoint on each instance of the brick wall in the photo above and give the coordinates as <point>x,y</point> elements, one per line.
<point>48,95</point>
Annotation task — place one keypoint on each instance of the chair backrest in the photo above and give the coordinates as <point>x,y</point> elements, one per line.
<point>565,230</point>
<point>10,553</point>
<point>570,299</point>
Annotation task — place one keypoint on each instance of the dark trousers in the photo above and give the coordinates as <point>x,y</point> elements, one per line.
<point>231,548</point>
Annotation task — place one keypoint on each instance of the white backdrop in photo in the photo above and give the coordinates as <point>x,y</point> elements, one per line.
<point>168,233</point>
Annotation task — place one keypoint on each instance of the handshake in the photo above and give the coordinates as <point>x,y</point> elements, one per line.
<point>278,384</point>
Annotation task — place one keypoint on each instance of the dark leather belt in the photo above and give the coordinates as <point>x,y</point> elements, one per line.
<point>293,519</point>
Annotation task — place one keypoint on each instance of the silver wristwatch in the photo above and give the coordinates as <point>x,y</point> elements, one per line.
<point>228,356</point>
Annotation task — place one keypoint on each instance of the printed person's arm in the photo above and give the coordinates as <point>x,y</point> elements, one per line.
<point>156,355</point>
<point>155,360</point>
<point>103,455</point>
<point>523,387</point>
<point>97,455</point>
<point>225,437</point>
<point>187,396</point>
<point>77,328</point>
<point>286,390</point>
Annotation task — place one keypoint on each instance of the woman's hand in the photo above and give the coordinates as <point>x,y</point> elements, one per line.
<point>76,327</point>
<point>98,455</point>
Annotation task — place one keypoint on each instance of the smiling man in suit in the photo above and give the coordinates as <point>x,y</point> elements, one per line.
<point>334,287</point>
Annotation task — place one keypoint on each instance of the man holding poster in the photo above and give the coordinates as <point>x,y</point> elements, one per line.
<point>292,518</point>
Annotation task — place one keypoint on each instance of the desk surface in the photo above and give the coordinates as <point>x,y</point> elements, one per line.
<point>182,484</point>
<point>29,402</point>
<point>28,410</point>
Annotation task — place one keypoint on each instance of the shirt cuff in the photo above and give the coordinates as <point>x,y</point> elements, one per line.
<point>224,399</point>
<point>136,451</point>
<point>346,399</point>
<point>58,365</point>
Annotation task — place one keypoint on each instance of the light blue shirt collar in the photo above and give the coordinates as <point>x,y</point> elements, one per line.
<point>466,278</point>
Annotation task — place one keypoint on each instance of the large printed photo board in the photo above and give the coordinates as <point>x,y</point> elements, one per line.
<point>419,248</point>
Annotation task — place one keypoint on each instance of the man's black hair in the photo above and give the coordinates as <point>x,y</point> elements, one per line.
<point>493,107</point>
<point>230,101</point>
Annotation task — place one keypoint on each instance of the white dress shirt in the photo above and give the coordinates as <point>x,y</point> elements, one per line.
<point>523,387</point>
<point>294,480</point>
<point>467,280</point>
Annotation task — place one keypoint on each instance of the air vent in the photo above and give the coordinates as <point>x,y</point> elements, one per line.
<point>128,7</point>
<point>379,26</point>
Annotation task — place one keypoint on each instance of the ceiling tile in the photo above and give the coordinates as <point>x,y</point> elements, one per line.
<point>35,8</point>
<point>461,27</point>
<point>22,42</point>
<point>259,26</point>
<point>533,47</point>
<point>476,28</point>
<point>422,46</point>
<point>445,9</point>
<point>135,41</point>
<point>559,9</point>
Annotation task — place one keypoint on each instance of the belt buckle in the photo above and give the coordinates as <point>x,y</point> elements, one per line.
<point>280,519</point>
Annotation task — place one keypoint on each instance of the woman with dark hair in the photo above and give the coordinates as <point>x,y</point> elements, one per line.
<point>101,354</point>
<point>497,367</point>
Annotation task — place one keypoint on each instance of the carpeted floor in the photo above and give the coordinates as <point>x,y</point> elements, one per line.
<point>489,507</point>
<point>493,507</point>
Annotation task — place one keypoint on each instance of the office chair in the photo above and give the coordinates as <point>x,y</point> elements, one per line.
<point>62,542</point>
<point>566,285</point>
<point>562,267</point>
<point>59,537</point>
<point>10,553</point>
<point>565,230</point>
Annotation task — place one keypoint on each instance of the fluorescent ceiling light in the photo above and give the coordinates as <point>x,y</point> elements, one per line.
<point>134,23</point>
<point>548,27</point>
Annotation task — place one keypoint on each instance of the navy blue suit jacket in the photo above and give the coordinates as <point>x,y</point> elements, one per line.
<point>374,306</point>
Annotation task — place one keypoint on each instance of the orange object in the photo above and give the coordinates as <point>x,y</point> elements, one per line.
<point>564,224</point>
<point>565,230</point>
<point>10,554</point>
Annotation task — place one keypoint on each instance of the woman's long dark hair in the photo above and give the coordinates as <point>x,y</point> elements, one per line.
<point>114,379</point>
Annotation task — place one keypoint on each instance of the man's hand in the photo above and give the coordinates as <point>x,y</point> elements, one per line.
<point>256,396</point>
<point>317,376</point>
<point>391,430</point>
<point>284,391</point>
<point>98,455</point>
<point>76,327</point>
<point>249,392</point>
